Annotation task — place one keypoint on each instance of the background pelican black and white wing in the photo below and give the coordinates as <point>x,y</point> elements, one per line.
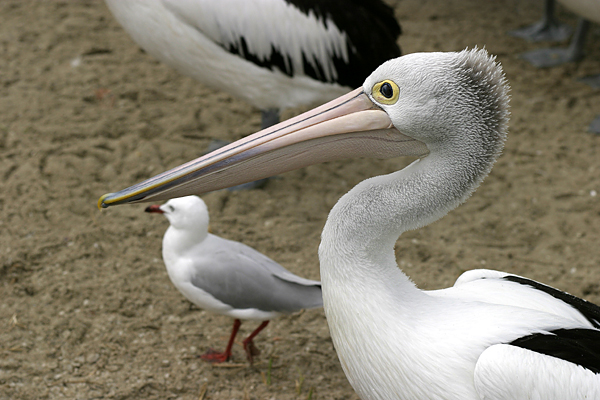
<point>274,54</point>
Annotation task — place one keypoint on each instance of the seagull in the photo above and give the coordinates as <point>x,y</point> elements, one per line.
<point>273,54</point>
<point>227,277</point>
<point>493,335</point>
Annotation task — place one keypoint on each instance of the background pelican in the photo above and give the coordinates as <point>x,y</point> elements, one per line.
<point>587,10</point>
<point>492,335</point>
<point>227,277</point>
<point>547,29</point>
<point>274,54</point>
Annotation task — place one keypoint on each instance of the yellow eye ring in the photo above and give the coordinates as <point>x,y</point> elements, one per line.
<point>386,92</point>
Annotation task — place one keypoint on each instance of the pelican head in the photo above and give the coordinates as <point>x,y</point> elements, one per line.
<point>430,96</point>
<point>409,106</point>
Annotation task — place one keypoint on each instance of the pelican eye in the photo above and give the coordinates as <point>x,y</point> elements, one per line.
<point>386,92</point>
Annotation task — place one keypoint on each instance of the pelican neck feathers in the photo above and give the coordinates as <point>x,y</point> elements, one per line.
<point>485,108</point>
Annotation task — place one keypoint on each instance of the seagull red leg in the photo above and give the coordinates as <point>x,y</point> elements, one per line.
<point>218,357</point>
<point>251,350</point>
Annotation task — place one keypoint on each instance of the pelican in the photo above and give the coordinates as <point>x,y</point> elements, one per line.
<point>547,29</point>
<point>587,10</point>
<point>273,54</point>
<point>227,277</point>
<point>492,335</point>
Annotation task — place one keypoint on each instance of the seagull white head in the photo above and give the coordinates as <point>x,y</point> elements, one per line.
<point>411,106</point>
<point>187,213</point>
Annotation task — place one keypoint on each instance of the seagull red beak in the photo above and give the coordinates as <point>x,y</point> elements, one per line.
<point>154,208</point>
<point>350,126</point>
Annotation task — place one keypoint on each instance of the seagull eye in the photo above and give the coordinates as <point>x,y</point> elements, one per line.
<point>386,92</point>
<point>171,208</point>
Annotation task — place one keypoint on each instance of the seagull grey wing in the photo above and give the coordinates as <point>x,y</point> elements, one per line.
<point>273,267</point>
<point>243,278</point>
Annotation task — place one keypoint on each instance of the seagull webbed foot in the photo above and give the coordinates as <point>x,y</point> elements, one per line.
<point>251,350</point>
<point>215,357</point>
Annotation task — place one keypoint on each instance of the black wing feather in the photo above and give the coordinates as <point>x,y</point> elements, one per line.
<point>370,26</point>
<point>578,346</point>
<point>589,310</point>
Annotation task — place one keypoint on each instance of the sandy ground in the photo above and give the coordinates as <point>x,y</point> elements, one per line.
<point>87,310</point>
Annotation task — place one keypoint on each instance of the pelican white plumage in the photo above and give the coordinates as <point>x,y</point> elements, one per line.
<point>492,335</point>
<point>227,277</point>
<point>273,54</point>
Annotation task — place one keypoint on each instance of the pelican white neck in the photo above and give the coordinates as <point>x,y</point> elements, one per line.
<point>454,103</point>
